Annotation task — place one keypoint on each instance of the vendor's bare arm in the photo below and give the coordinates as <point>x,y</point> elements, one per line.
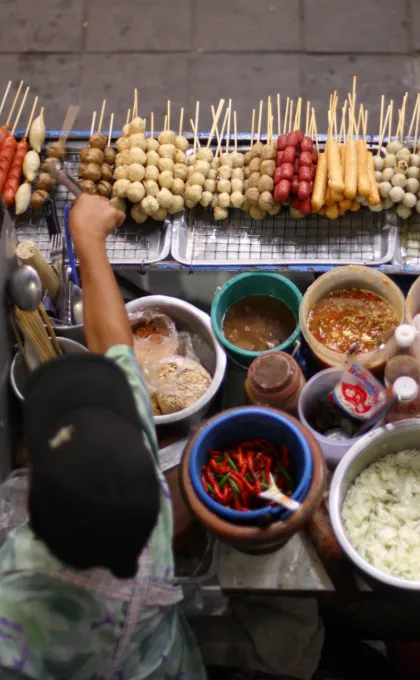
<point>105,320</point>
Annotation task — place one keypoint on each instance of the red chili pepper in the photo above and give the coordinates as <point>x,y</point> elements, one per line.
<point>214,465</point>
<point>204,482</point>
<point>242,481</point>
<point>212,480</point>
<point>267,470</point>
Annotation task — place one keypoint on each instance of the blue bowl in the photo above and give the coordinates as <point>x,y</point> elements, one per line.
<point>240,424</point>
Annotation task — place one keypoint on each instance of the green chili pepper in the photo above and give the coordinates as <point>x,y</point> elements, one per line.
<point>224,479</point>
<point>249,478</point>
<point>234,486</point>
<point>264,486</point>
<point>231,463</point>
<point>210,488</point>
<point>286,474</point>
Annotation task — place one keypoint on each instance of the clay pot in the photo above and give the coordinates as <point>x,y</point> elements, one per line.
<point>253,539</point>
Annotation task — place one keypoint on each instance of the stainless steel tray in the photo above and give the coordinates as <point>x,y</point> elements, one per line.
<point>357,238</point>
<point>133,244</point>
<point>410,242</point>
<point>364,237</point>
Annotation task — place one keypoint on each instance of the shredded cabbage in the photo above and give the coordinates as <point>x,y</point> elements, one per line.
<point>381,514</point>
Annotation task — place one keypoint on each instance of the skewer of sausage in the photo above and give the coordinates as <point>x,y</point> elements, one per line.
<point>22,148</point>
<point>5,134</point>
<point>3,130</point>
<point>9,148</point>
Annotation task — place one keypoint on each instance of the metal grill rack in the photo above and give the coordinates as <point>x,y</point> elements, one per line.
<point>133,244</point>
<point>410,242</point>
<point>363,237</point>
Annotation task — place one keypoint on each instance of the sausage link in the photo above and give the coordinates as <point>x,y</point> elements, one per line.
<point>7,155</point>
<point>373,198</point>
<point>15,173</point>
<point>363,182</point>
<point>320,186</point>
<point>335,174</point>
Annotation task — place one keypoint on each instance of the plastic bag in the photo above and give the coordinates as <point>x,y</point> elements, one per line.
<point>174,375</point>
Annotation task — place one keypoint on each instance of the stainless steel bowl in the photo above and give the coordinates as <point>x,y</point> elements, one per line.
<point>374,445</point>
<point>188,318</point>
<point>19,372</point>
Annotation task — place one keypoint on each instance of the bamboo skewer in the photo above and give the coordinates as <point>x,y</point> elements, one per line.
<point>128,117</point>
<point>278,115</point>
<point>286,113</point>
<point>315,129</point>
<point>31,325</point>
<point>390,120</point>
<point>181,121</point>
<point>152,124</point>
<point>46,319</point>
<point>3,101</point>
<point>382,132</point>
<point>296,123</point>
<point>169,113</point>
<point>307,121</point>
<point>216,129</point>
<point>111,125</point>
<point>221,134</point>
<point>410,129</point>
<point>17,95</point>
<point>259,120</point>
<point>28,127</point>
<point>228,126</point>
<point>92,127</point>
<point>235,130</point>
<point>381,117</point>
<point>135,104</point>
<point>416,133</point>
<point>252,127</point>
<point>20,110</point>
<point>197,112</point>
<point>101,119</point>
<point>291,115</point>
<point>215,121</point>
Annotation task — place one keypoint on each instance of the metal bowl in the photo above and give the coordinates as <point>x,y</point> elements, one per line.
<point>374,445</point>
<point>19,372</point>
<point>188,318</point>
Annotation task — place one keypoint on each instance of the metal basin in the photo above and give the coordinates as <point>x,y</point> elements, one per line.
<point>189,318</point>
<point>374,445</point>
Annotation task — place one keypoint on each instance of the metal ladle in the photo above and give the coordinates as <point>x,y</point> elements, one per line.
<point>25,288</point>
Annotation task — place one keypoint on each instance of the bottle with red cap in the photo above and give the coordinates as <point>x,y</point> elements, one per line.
<point>274,379</point>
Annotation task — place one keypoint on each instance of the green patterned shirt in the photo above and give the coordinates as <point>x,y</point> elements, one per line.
<point>58,623</point>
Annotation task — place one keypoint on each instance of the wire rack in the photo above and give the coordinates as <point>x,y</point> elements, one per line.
<point>357,238</point>
<point>133,244</point>
<point>410,242</point>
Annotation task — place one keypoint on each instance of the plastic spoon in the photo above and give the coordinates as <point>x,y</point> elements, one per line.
<point>274,494</point>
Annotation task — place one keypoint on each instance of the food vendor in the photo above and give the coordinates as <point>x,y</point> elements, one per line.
<point>86,582</point>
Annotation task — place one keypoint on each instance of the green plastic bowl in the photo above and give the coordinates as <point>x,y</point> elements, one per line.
<point>242,286</point>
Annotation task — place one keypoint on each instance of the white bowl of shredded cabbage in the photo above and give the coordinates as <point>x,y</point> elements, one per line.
<point>375,504</point>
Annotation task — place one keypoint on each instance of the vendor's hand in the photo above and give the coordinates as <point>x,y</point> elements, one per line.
<point>92,219</point>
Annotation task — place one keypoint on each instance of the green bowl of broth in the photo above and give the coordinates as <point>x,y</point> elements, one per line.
<point>256,313</point>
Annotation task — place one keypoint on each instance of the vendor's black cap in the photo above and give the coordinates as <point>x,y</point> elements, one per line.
<point>94,492</point>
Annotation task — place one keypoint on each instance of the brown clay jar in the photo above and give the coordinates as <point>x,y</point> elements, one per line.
<point>274,379</point>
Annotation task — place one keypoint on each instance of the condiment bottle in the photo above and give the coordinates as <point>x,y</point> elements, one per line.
<point>408,406</point>
<point>274,379</point>
<point>403,363</point>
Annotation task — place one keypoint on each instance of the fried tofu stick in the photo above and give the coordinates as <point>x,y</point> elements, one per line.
<point>320,184</point>
<point>335,174</point>
<point>363,182</point>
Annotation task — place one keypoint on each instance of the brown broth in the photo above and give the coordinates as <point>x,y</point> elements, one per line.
<point>258,323</point>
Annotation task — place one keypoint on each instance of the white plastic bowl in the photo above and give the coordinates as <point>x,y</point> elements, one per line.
<point>188,318</point>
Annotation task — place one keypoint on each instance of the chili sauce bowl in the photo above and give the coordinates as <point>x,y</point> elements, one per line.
<point>246,285</point>
<point>241,424</point>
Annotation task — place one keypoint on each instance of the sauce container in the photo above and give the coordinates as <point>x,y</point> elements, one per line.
<point>245,285</point>
<point>352,276</point>
<point>274,379</point>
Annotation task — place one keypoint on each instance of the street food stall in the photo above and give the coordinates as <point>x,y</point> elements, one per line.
<point>254,401</point>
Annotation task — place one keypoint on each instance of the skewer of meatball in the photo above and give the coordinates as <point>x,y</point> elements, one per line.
<point>97,159</point>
